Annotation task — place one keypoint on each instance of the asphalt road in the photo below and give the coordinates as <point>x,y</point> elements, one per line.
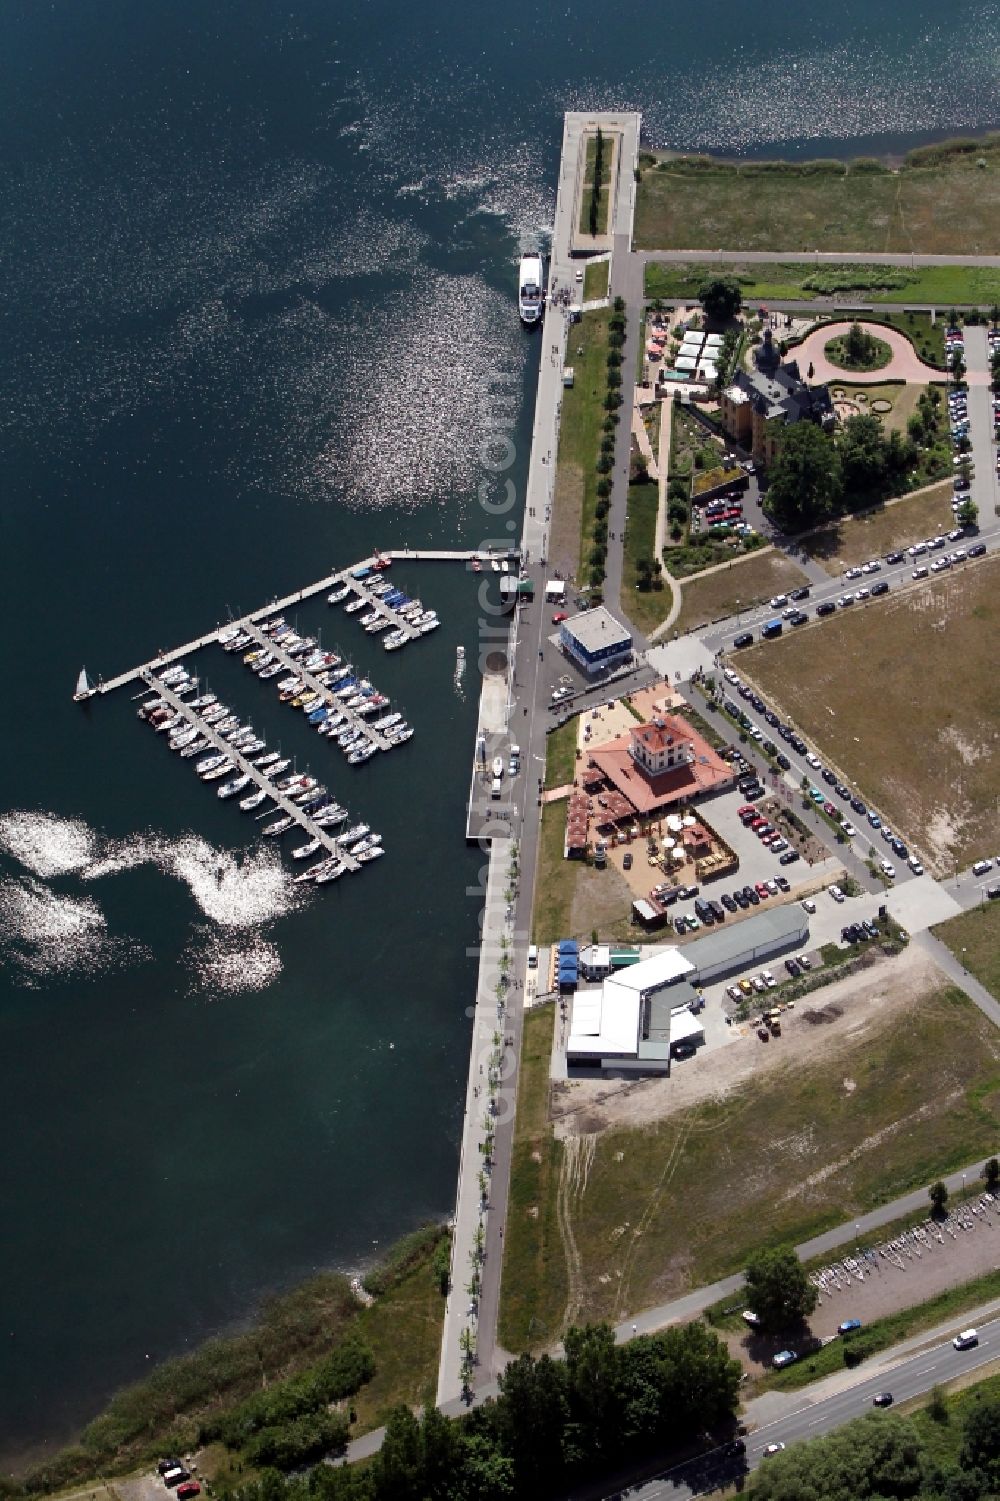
<point>911,1377</point>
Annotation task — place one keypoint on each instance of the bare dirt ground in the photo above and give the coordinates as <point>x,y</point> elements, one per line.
<point>838,1014</point>
<point>564,535</point>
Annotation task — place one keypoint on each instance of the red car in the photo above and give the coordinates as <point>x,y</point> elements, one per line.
<point>188,1489</point>
<point>559,617</point>
<point>747,808</point>
<point>761,889</point>
<point>758,823</point>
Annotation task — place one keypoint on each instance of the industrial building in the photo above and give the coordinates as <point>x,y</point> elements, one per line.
<point>631,1022</point>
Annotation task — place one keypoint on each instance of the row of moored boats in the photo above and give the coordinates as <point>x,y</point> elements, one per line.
<point>384,604</point>
<point>336,700</point>
<point>244,764</point>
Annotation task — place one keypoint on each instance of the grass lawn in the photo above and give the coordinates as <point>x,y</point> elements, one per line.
<point>644,607</point>
<point>582,419</point>
<point>792,281</point>
<point>854,539</point>
<point>974,939</point>
<point>595,280</point>
<point>741,585</point>
<point>946,207</point>
<point>926,337</point>
<point>533,1284</point>
<point>404,1329</point>
<point>556,878</point>
<point>653,1212</point>
<point>880,1334</point>
<point>560,755</point>
<point>610,146</point>
<point>905,692</point>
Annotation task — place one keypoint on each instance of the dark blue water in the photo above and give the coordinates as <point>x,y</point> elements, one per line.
<point>258,264</point>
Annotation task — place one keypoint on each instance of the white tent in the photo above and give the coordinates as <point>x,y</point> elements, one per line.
<point>555,591</point>
<point>714,341</point>
<point>684,362</point>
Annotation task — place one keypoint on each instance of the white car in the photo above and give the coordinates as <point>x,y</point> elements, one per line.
<point>813,759</point>
<point>888,869</point>
<point>836,893</point>
<point>803,961</point>
<point>771,1449</point>
<point>853,573</point>
<point>808,904</point>
<point>849,830</point>
<point>872,566</point>
<point>915,865</point>
<point>768,979</point>
<point>966,1339</point>
<point>779,601</point>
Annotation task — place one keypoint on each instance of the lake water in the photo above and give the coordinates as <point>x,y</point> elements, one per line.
<point>259,266</point>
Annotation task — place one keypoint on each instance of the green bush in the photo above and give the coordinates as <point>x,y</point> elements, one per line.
<point>297,1442</point>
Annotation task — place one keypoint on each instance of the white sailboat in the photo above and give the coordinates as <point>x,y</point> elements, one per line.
<point>84,687</point>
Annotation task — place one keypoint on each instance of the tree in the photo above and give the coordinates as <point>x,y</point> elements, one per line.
<point>991,1174</point>
<point>967,515</point>
<point>778,1290</point>
<point>981,1445</point>
<point>805,486</point>
<point>863,466</point>
<point>858,345</point>
<point>874,1456</point>
<point>938,1195</point>
<point>721,297</point>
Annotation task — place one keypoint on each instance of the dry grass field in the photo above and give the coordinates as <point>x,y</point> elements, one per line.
<point>903,694</point>
<point>943,208</point>
<point>736,586</point>
<point>855,538</point>
<point>647,1211</point>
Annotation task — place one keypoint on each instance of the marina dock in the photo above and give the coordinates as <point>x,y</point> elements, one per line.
<point>327,841</point>
<point>327,693</point>
<point>264,612</point>
<point>375,602</point>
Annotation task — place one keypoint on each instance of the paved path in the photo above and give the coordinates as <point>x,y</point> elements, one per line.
<point>905,363</point>
<point>641,437</point>
<point>959,975</point>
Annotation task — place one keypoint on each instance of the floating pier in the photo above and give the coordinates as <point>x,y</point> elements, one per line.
<point>327,692</point>
<point>327,841</point>
<point>331,581</point>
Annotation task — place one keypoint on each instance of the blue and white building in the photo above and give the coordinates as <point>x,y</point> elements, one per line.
<point>595,641</point>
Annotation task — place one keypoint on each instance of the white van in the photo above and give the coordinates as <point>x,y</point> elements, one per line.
<point>532,956</point>
<point>497,788</point>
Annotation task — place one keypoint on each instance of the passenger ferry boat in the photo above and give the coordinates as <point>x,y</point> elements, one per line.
<point>531,289</point>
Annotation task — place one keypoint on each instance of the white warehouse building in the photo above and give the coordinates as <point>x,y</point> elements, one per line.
<point>630,1022</point>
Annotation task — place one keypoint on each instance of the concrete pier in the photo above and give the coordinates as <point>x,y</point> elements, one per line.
<point>241,764</point>
<point>328,694</point>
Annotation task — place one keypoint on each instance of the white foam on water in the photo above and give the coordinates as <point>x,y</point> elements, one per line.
<point>221,965</point>
<point>45,933</point>
<point>44,843</point>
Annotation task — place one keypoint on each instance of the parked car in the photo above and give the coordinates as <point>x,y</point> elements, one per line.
<point>782,1359</point>
<point>847,1326</point>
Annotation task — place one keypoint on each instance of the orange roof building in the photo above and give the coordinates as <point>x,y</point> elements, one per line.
<point>661,763</point>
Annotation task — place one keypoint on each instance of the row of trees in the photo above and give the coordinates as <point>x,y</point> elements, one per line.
<point>598,555</point>
<point>555,1421</point>
<point>595,191</point>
